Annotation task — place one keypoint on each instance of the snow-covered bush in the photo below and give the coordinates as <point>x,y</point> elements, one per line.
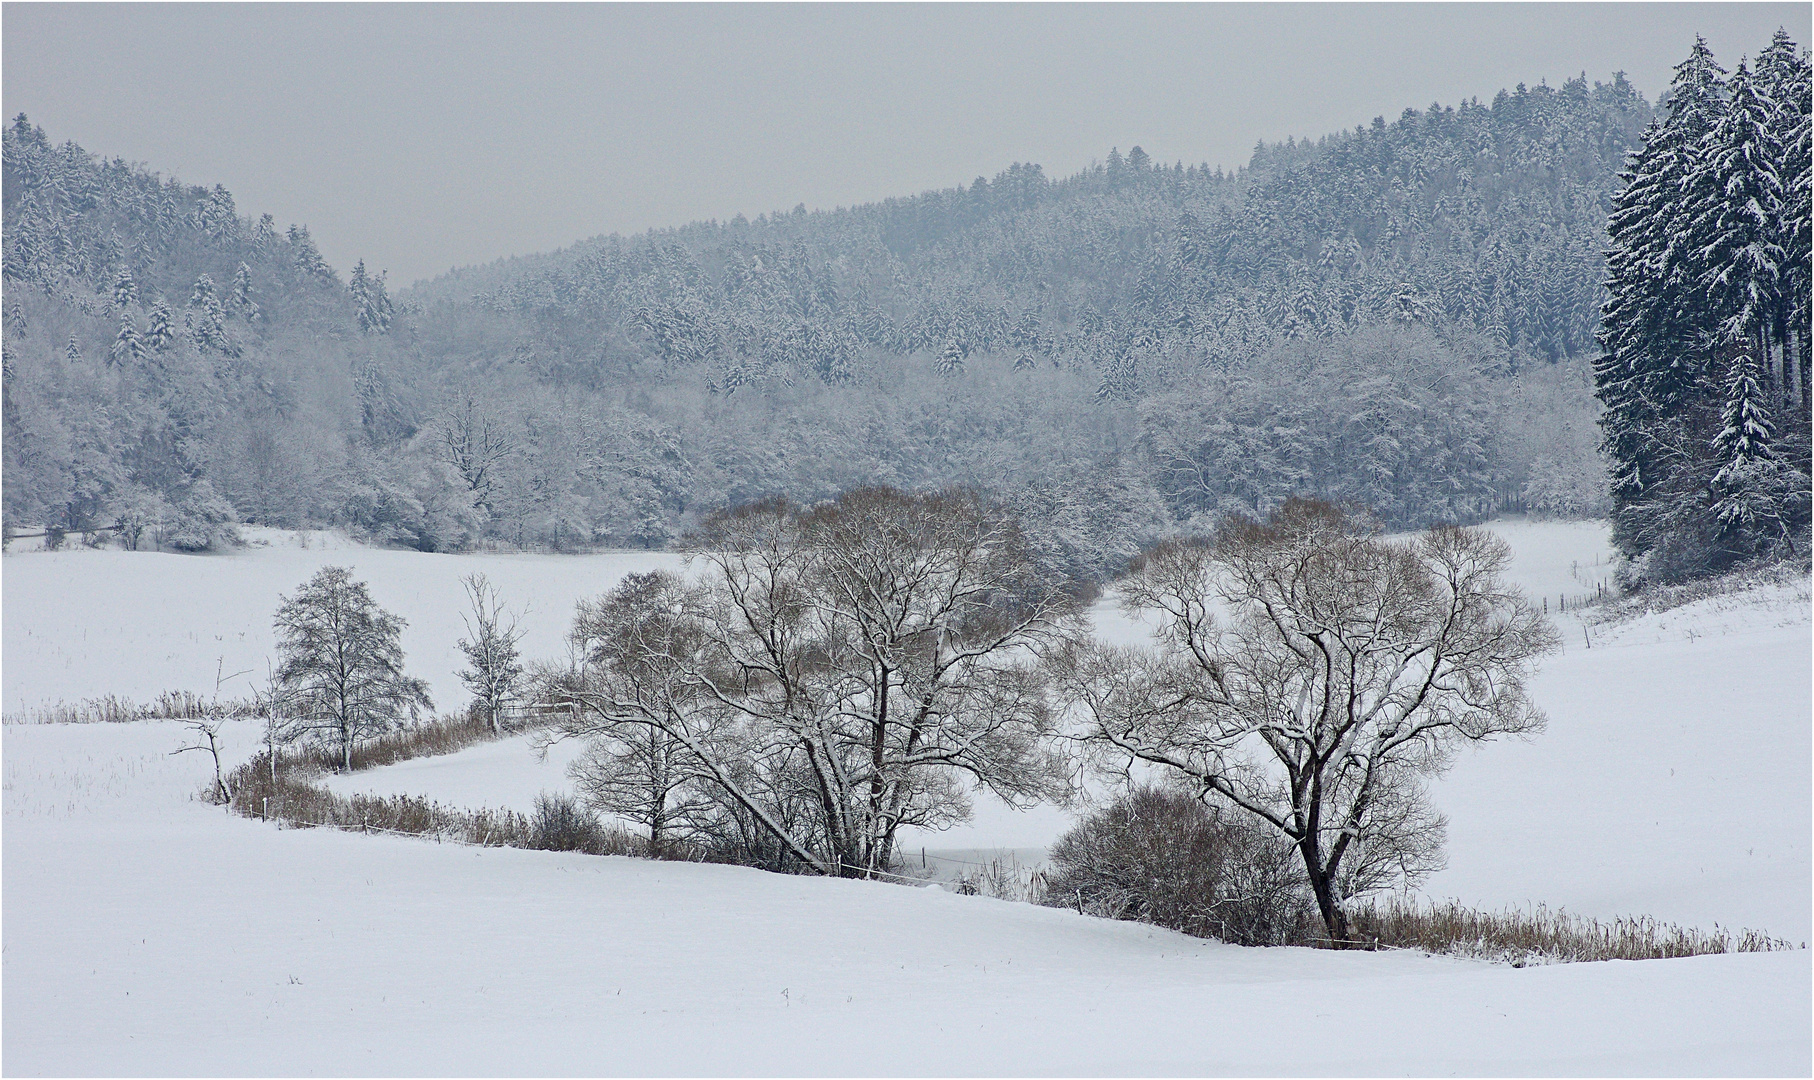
<point>1567,487</point>
<point>203,521</point>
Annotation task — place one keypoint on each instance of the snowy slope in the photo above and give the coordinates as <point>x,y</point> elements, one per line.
<point>147,933</point>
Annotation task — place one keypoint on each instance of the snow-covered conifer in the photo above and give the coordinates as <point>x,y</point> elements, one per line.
<point>950,360</point>
<point>125,290</point>
<point>1745,428</point>
<point>128,348</point>
<point>1738,216</point>
<point>162,331</point>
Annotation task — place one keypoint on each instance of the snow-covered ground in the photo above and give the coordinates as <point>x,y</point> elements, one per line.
<point>507,774</point>
<point>149,933</point>
<point>80,624</point>
<point>1674,781</point>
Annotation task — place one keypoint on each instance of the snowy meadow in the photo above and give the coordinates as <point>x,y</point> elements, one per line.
<point>147,931</point>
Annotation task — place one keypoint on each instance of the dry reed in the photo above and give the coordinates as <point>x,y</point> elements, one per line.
<point>1540,935</point>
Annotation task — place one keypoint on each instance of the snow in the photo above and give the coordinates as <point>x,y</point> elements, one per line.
<point>507,774</point>
<point>148,932</point>
<point>68,636</point>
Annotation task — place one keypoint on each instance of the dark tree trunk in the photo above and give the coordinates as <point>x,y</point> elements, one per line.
<point>1322,885</point>
<point>658,820</point>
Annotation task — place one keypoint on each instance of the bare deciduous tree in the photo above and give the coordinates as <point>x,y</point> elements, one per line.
<point>475,443</point>
<point>641,772</point>
<point>493,669</point>
<point>840,672</point>
<point>1311,673</point>
<point>342,663</point>
<point>204,732</point>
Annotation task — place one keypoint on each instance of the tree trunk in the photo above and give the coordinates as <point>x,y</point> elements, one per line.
<point>1322,885</point>
<point>658,820</point>
<point>1795,366</point>
<point>1773,362</point>
<point>1335,920</point>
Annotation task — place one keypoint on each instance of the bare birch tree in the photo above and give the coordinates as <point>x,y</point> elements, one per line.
<point>1312,673</point>
<point>493,668</point>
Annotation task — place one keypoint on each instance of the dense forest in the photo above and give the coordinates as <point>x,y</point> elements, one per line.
<point>1402,315</point>
<point>1706,330</point>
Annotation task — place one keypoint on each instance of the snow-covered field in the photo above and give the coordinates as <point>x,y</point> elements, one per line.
<point>1674,780</point>
<point>148,933</point>
<point>80,624</point>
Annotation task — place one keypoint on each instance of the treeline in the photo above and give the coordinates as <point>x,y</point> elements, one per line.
<point>1116,352</point>
<point>1706,332</point>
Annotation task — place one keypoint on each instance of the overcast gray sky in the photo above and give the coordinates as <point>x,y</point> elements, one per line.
<point>420,137</point>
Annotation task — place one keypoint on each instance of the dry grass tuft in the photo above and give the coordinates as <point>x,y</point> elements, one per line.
<point>444,736</point>
<point>112,709</point>
<point>293,798</point>
<point>1004,880</point>
<point>1540,936</point>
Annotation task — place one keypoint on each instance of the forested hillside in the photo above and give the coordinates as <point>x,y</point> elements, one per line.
<point>1402,315</point>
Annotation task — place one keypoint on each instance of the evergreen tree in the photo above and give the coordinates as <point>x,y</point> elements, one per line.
<point>242,290</point>
<point>1654,324</point>
<point>1705,274</point>
<point>950,361</point>
<point>1760,499</point>
<point>128,348</point>
<point>369,298</point>
<point>125,290</point>
<point>1782,78</point>
<point>264,234</point>
<point>306,258</point>
<point>1745,428</point>
<point>73,353</point>
<point>1739,220</point>
<point>162,331</point>
<point>206,318</point>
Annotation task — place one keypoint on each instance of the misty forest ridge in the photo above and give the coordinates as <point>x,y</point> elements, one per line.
<point>1400,315</point>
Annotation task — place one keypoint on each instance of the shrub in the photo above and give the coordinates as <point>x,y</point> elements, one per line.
<point>446,735</point>
<point>1161,856</point>
<point>560,823</point>
<point>203,521</point>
